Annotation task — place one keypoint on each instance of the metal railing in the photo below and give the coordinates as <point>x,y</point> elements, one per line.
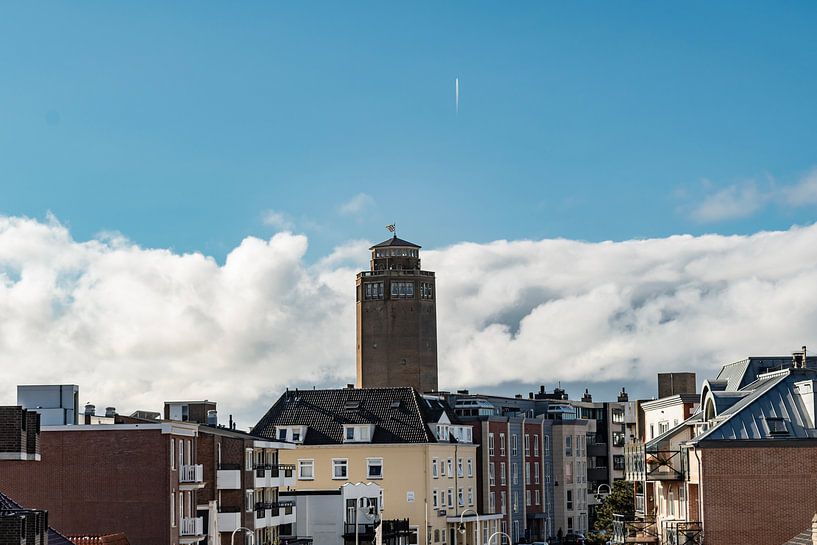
<point>191,473</point>
<point>631,531</point>
<point>395,272</point>
<point>192,526</point>
<point>277,470</point>
<point>683,532</point>
<point>641,464</point>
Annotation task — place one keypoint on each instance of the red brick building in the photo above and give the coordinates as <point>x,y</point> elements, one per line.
<point>140,479</point>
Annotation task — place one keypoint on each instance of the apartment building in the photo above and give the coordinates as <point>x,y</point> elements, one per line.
<point>741,469</point>
<point>570,475</point>
<point>414,447</point>
<point>242,478</point>
<point>141,479</point>
<point>514,476</point>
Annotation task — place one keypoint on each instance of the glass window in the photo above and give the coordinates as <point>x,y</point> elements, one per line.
<point>569,500</point>
<point>434,471</point>
<point>350,434</point>
<point>306,469</point>
<point>515,444</point>
<point>490,444</point>
<point>340,468</point>
<point>374,468</point>
<point>502,473</point>
<point>491,474</point>
<point>470,467</point>
<point>536,445</point>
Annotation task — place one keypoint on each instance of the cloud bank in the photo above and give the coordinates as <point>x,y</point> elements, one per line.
<point>136,326</point>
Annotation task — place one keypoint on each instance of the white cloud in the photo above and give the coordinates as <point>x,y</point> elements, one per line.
<point>356,205</point>
<point>746,198</point>
<point>135,326</point>
<point>735,201</point>
<point>278,220</point>
<point>802,193</point>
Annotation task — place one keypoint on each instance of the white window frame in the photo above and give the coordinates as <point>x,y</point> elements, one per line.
<point>490,444</point>
<point>248,458</point>
<point>306,462</point>
<point>470,467</point>
<point>373,462</point>
<point>536,444</point>
<point>435,471</point>
<point>172,453</point>
<point>340,462</point>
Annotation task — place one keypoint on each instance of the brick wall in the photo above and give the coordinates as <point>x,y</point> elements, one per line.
<point>12,434</point>
<point>762,495</point>
<point>99,482</point>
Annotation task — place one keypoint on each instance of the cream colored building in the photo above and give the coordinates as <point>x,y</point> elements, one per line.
<point>425,461</point>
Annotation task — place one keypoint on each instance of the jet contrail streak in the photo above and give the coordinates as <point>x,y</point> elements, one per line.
<point>457,93</point>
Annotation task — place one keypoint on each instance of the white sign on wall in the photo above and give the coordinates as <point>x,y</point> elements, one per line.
<point>410,496</point>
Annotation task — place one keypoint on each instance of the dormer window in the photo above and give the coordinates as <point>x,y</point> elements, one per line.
<point>358,433</point>
<point>442,432</point>
<point>291,434</point>
<point>776,426</point>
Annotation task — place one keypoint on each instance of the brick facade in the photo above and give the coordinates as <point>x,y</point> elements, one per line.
<point>19,434</point>
<point>762,494</point>
<point>101,481</point>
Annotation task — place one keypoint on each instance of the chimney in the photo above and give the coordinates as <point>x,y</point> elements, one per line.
<point>90,410</point>
<point>622,396</point>
<point>350,386</point>
<point>212,418</point>
<point>587,398</point>
<point>231,422</point>
<point>518,396</point>
<point>530,395</point>
<point>799,359</point>
<point>110,412</point>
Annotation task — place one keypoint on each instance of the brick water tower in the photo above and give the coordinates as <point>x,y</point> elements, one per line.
<point>396,319</point>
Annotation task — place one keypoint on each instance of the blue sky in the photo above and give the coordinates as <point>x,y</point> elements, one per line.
<point>185,125</point>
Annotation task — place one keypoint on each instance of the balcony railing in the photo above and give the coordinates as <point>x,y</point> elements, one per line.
<point>192,527</point>
<point>641,464</point>
<point>639,503</point>
<point>683,532</point>
<point>191,473</point>
<point>367,529</point>
<point>277,470</point>
<point>287,506</point>
<point>634,531</point>
<point>396,272</point>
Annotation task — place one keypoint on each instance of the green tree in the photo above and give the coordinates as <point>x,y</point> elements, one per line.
<point>620,501</point>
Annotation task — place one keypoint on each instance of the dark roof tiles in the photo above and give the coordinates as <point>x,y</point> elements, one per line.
<point>400,415</point>
<point>394,241</point>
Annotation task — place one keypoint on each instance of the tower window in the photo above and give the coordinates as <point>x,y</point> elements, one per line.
<point>426,290</point>
<point>373,290</point>
<point>402,290</point>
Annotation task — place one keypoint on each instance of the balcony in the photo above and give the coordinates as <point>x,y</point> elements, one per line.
<point>270,514</point>
<point>597,449</point>
<point>191,477</point>
<point>634,531</point>
<point>228,477</point>
<point>639,504</point>
<point>229,519</point>
<point>191,530</point>
<point>274,475</point>
<point>683,532</point>
<point>641,464</point>
<point>366,531</point>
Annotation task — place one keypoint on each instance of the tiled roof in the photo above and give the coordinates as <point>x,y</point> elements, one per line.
<point>400,415</point>
<point>394,241</point>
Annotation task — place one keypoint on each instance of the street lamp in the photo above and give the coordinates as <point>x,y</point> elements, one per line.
<point>497,533</point>
<point>246,531</point>
<point>461,527</point>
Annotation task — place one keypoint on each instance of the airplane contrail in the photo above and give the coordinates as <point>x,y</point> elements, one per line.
<point>457,94</point>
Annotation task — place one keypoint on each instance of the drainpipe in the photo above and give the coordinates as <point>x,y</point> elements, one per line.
<point>700,489</point>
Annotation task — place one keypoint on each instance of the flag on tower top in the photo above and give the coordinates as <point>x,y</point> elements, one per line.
<point>391,227</point>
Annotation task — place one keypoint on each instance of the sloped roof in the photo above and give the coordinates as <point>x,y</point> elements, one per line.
<point>741,373</point>
<point>400,415</point>
<point>394,241</point>
<point>772,395</point>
